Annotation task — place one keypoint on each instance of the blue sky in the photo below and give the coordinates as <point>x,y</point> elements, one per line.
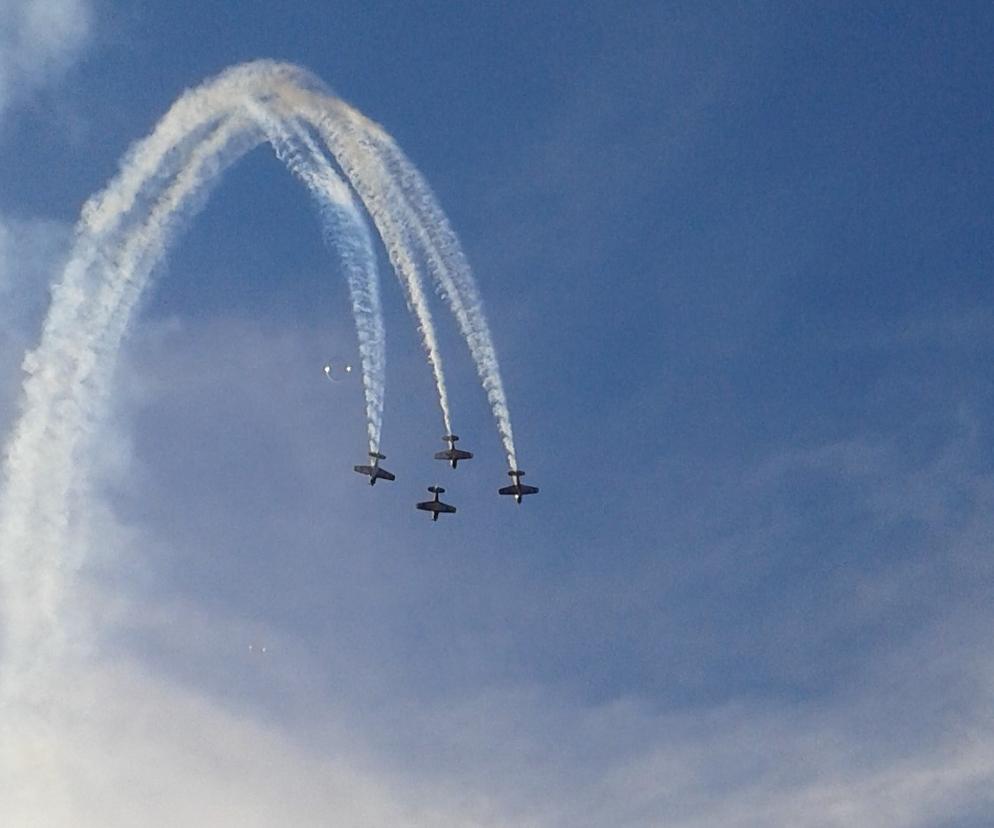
<point>737,266</point>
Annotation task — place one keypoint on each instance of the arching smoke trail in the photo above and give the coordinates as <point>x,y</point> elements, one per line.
<point>344,226</point>
<point>123,234</point>
<point>66,386</point>
<point>393,222</point>
<point>454,282</point>
<point>345,230</point>
<point>277,86</point>
<point>69,376</point>
<point>403,207</point>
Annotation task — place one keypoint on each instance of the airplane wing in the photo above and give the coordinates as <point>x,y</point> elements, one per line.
<point>447,508</point>
<point>520,489</point>
<point>453,454</point>
<point>385,475</point>
<point>426,506</point>
<point>363,469</point>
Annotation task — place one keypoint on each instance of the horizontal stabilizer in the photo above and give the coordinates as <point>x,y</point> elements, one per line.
<point>436,490</point>
<point>377,456</point>
<point>450,438</point>
<point>516,473</point>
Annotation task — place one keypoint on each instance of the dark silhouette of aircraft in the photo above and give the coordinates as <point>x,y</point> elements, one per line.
<point>452,454</point>
<point>375,472</point>
<point>436,507</point>
<point>518,489</point>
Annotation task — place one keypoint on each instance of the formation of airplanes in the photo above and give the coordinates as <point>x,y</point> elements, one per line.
<point>452,456</point>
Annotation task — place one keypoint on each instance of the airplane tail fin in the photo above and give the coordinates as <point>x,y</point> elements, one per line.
<point>377,456</point>
<point>436,490</point>
<point>451,438</point>
<point>515,473</point>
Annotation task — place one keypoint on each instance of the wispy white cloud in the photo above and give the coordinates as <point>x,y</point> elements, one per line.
<point>121,742</point>
<point>132,749</point>
<point>39,41</point>
<point>191,726</point>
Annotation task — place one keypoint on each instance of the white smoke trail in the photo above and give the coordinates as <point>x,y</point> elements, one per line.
<point>122,235</point>
<point>69,376</point>
<point>359,147</point>
<point>64,392</point>
<point>404,208</point>
<point>454,282</point>
<point>393,222</point>
<point>346,230</point>
<point>277,86</point>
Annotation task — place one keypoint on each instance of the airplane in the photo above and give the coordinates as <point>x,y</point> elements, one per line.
<point>453,455</point>
<point>518,489</point>
<point>375,472</point>
<point>436,507</point>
